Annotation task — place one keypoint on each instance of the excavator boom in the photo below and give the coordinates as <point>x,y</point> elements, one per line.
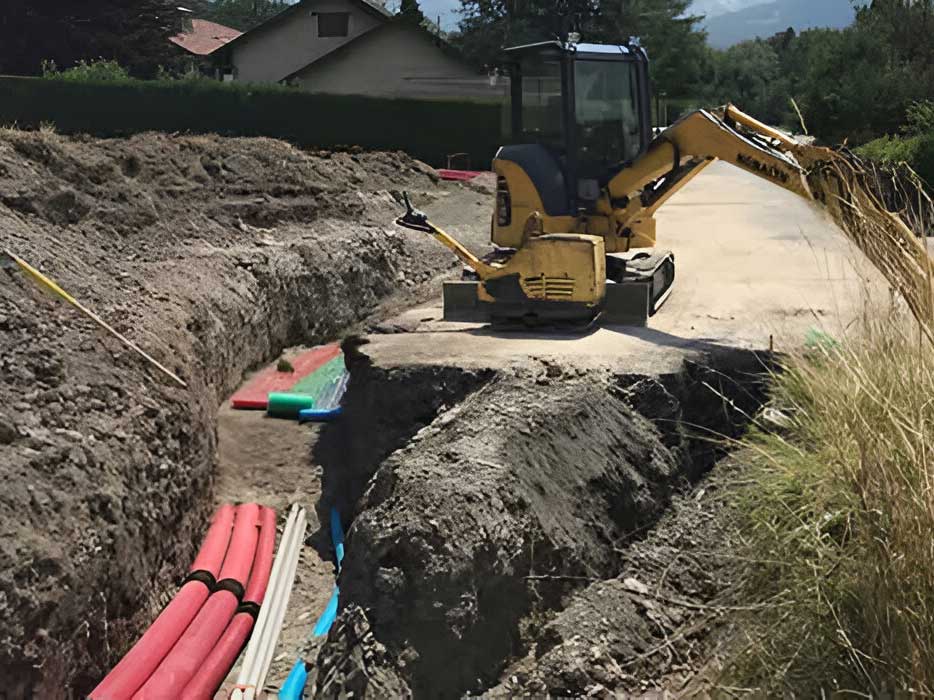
<point>692,143</point>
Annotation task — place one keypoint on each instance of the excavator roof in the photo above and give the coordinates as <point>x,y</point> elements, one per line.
<point>575,48</point>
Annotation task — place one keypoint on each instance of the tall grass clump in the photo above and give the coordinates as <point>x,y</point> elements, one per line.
<point>839,510</point>
<point>839,519</point>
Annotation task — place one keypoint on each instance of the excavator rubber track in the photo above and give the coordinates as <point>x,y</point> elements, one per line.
<point>637,286</point>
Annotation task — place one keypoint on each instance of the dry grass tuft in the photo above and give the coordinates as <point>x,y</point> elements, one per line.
<point>856,196</point>
<point>840,511</point>
<point>845,500</point>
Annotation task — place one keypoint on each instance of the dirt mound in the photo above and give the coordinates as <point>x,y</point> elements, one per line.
<point>654,627</point>
<point>530,487</point>
<point>213,254</point>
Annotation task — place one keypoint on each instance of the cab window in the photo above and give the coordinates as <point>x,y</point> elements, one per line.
<point>606,110</point>
<point>541,102</point>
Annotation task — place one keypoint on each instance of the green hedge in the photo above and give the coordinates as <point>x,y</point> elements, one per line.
<point>917,151</point>
<point>429,130</point>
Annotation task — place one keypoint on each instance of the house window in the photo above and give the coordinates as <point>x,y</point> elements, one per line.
<point>333,23</point>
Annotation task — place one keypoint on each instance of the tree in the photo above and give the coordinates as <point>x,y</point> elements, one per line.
<point>488,26</point>
<point>750,75</point>
<point>239,14</point>
<point>135,34</point>
<point>859,83</point>
<point>411,12</point>
<point>669,32</point>
<point>675,45</point>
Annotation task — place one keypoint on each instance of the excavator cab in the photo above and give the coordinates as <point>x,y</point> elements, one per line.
<point>579,113</point>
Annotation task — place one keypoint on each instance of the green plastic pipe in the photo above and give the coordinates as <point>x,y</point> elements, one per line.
<point>284,405</point>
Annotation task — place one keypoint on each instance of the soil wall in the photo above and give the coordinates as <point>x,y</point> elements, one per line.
<point>523,491</point>
<point>213,254</point>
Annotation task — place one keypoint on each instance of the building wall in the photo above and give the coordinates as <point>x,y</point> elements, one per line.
<point>275,52</point>
<point>397,61</point>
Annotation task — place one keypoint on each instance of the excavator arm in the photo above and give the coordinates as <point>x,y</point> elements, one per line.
<point>683,150</point>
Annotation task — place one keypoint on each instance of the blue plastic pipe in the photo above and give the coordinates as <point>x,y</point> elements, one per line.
<point>294,686</point>
<point>318,414</point>
<point>337,537</point>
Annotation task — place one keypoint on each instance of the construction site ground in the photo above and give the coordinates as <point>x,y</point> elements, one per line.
<point>527,512</point>
<point>755,264</point>
<point>767,270</point>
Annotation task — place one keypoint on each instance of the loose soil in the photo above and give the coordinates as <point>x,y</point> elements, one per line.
<point>530,529</point>
<point>470,547</point>
<point>213,254</point>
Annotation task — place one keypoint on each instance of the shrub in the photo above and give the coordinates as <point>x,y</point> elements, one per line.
<point>890,149</point>
<point>916,151</point>
<point>97,70</point>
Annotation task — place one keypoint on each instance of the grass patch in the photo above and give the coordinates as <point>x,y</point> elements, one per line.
<point>840,515</point>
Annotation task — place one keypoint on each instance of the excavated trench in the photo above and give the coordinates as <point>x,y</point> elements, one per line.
<point>156,510</point>
<point>108,469</point>
<point>479,503</point>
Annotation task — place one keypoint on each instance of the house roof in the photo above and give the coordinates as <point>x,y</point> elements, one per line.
<point>205,37</point>
<point>396,21</point>
<point>370,6</point>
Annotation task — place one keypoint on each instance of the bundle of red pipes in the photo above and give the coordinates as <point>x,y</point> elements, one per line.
<point>188,650</point>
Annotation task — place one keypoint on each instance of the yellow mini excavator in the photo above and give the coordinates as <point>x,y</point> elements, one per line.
<point>573,222</point>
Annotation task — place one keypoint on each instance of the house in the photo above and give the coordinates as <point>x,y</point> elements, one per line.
<point>201,38</point>
<point>351,47</point>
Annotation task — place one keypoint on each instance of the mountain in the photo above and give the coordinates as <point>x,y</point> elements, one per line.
<point>447,10</point>
<point>728,21</point>
<point>715,8</point>
<point>768,18</point>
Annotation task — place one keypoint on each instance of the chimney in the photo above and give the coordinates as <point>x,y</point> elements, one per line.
<point>185,16</point>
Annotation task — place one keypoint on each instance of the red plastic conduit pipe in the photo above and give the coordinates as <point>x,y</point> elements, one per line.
<point>139,663</point>
<point>173,674</point>
<point>221,659</point>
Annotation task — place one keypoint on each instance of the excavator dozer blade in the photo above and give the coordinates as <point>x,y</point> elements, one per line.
<point>461,303</point>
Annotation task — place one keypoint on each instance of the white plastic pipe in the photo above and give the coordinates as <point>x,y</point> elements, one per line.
<point>280,567</point>
<point>283,604</point>
<point>250,671</point>
<point>271,631</point>
<point>275,576</point>
<point>266,637</point>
